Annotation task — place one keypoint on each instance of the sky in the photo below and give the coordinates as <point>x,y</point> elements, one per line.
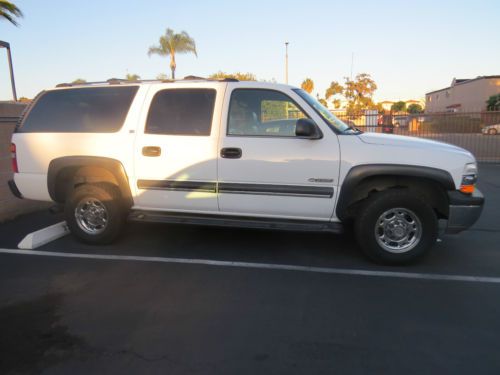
<point>408,47</point>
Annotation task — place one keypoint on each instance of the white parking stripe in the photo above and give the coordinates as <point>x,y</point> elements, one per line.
<point>269,266</point>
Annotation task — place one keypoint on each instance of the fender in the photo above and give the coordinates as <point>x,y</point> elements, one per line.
<point>358,173</point>
<point>57,166</point>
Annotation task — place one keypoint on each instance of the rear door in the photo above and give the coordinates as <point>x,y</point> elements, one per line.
<point>176,148</point>
<point>264,169</point>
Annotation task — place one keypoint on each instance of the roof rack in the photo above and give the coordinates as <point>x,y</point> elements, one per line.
<point>111,81</point>
<point>196,78</point>
<point>119,81</point>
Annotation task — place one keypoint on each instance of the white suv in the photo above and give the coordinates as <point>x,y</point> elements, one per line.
<point>231,153</point>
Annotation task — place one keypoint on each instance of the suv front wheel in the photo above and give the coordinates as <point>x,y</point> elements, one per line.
<point>94,213</point>
<point>396,227</point>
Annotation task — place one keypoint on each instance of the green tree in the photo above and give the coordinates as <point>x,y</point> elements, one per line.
<point>79,81</point>
<point>398,106</point>
<point>380,108</point>
<point>335,88</point>
<point>170,44</point>
<point>414,108</point>
<point>132,77</point>
<point>10,12</point>
<point>238,75</point>
<point>333,92</point>
<point>359,93</point>
<point>336,103</point>
<point>493,103</point>
<point>307,85</point>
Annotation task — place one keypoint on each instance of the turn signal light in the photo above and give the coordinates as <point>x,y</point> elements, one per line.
<point>467,189</point>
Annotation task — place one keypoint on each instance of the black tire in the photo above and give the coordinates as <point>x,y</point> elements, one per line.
<point>369,233</point>
<point>107,198</point>
<point>492,132</point>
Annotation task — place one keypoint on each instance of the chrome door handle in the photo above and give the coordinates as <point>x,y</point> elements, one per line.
<point>151,151</point>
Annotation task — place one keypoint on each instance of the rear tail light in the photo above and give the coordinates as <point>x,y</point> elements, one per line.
<point>13,155</point>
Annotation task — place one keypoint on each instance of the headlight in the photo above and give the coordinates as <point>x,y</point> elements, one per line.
<point>469,178</point>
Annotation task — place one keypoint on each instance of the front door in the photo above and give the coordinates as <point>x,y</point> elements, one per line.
<point>264,169</point>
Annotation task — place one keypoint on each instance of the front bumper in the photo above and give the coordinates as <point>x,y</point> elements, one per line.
<point>14,190</point>
<point>464,210</point>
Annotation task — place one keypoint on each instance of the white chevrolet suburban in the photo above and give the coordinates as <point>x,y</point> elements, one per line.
<point>229,153</point>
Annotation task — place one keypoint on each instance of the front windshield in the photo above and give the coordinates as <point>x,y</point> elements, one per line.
<point>329,117</point>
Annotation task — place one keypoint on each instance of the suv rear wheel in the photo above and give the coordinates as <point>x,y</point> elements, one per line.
<point>94,213</point>
<point>396,227</point>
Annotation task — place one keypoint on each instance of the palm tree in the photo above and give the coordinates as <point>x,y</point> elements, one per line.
<point>172,43</point>
<point>10,12</point>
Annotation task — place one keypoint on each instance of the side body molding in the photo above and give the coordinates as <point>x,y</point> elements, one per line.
<point>65,166</point>
<point>358,173</point>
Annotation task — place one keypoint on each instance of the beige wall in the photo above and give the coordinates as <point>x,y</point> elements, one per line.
<point>10,206</point>
<point>471,96</point>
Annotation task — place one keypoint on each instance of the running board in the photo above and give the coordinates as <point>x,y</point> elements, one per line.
<point>235,221</point>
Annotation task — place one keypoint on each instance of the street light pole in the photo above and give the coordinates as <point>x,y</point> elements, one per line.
<point>11,68</point>
<point>286,63</point>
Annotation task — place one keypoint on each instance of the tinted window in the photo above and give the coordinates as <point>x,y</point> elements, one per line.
<point>81,110</point>
<point>262,112</point>
<point>181,112</point>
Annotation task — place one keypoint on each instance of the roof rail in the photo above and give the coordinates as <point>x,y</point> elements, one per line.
<point>228,80</point>
<point>225,79</point>
<point>111,81</point>
<point>119,81</point>
<point>194,78</point>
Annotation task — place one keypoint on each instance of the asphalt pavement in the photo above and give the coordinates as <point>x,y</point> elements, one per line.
<point>193,300</point>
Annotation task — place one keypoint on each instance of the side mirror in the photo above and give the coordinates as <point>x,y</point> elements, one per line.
<point>306,128</point>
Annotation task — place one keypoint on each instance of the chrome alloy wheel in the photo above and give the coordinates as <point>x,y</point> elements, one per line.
<point>398,230</point>
<point>91,216</point>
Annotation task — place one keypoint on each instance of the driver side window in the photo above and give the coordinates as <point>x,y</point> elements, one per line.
<point>257,112</point>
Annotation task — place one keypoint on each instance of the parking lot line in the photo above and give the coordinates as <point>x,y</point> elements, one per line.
<point>265,266</point>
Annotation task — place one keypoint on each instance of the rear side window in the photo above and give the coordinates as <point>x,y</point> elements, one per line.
<point>81,110</point>
<point>181,112</point>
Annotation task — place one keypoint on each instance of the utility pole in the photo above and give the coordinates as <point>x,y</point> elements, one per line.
<point>286,63</point>
<point>11,68</point>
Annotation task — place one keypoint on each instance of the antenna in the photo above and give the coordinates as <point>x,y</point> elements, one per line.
<point>352,63</point>
<point>286,62</point>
